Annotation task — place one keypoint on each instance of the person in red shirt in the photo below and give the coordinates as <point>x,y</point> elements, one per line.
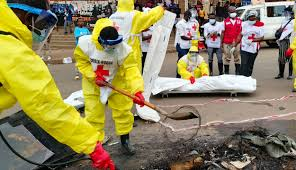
<point>231,30</point>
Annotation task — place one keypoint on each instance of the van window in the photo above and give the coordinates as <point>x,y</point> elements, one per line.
<point>240,12</point>
<point>275,11</point>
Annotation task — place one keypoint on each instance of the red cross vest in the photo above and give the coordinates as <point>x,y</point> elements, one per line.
<point>231,32</point>
<point>105,63</point>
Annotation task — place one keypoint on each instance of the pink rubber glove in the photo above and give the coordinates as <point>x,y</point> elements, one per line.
<point>140,100</point>
<point>192,80</point>
<point>100,80</point>
<point>101,158</point>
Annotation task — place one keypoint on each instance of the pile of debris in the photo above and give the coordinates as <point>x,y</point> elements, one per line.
<point>249,149</point>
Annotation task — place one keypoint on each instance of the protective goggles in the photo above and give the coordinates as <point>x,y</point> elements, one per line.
<point>45,21</point>
<point>111,42</point>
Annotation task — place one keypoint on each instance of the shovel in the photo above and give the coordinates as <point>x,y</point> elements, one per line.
<point>180,116</point>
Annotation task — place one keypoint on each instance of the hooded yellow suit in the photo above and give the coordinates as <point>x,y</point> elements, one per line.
<point>140,22</point>
<point>188,68</point>
<point>127,77</point>
<point>293,47</point>
<point>26,79</point>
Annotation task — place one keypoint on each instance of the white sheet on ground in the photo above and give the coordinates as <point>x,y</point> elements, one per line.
<point>230,83</point>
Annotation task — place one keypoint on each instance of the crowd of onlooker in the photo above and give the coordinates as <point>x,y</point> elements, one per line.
<point>68,14</point>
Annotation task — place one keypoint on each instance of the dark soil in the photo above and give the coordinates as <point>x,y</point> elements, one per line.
<point>219,151</point>
<point>212,144</point>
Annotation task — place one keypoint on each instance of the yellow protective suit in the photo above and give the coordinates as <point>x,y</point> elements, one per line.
<point>26,79</point>
<point>188,68</point>
<point>128,77</point>
<point>293,47</point>
<point>141,22</point>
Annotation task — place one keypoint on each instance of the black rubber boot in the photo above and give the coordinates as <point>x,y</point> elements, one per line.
<point>211,68</point>
<point>281,71</point>
<point>237,69</point>
<point>226,69</point>
<point>290,77</point>
<point>125,143</point>
<point>220,67</point>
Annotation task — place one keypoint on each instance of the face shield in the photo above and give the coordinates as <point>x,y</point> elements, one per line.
<point>193,57</point>
<point>43,22</point>
<point>110,45</point>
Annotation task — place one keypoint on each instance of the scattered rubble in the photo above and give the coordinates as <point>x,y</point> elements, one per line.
<point>250,149</point>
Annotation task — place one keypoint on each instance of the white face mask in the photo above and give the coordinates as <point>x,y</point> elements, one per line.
<point>212,21</point>
<point>251,22</point>
<point>232,15</point>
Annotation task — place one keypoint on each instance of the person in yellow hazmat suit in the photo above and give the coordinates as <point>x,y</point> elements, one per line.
<point>25,78</point>
<point>130,23</point>
<point>291,52</point>
<point>192,65</point>
<point>103,56</point>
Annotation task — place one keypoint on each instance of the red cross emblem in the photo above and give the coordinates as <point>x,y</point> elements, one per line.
<point>189,34</point>
<point>252,37</point>
<point>214,37</point>
<point>194,27</point>
<point>100,71</point>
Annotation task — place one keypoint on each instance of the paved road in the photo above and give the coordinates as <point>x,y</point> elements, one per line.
<point>264,71</point>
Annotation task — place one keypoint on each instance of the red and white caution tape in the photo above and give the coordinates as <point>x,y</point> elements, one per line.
<point>218,123</point>
<point>228,100</point>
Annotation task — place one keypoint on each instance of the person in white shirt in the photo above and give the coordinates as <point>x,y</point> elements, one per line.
<point>194,25</point>
<point>212,33</point>
<point>284,43</point>
<point>252,34</point>
<point>146,38</point>
<point>193,11</point>
<point>183,36</point>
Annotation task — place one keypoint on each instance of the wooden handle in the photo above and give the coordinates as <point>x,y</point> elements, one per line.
<point>152,106</point>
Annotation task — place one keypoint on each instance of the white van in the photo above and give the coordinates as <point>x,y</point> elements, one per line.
<point>270,13</point>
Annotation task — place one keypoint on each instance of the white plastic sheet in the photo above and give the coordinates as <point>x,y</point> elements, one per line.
<point>229,83</point>
<point>75,99</point>
<point>155,57</point>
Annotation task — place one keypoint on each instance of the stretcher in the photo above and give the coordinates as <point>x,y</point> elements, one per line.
<point>231,93</point>
<point>230,84</point>
<point>165,85</point>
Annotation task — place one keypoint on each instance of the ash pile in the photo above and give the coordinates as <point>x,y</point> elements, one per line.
<point>250,149</point>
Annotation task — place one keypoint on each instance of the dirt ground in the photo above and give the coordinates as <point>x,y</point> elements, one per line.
<point>157,148</point>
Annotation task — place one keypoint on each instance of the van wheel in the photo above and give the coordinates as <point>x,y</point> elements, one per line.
<point>272,44</point>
